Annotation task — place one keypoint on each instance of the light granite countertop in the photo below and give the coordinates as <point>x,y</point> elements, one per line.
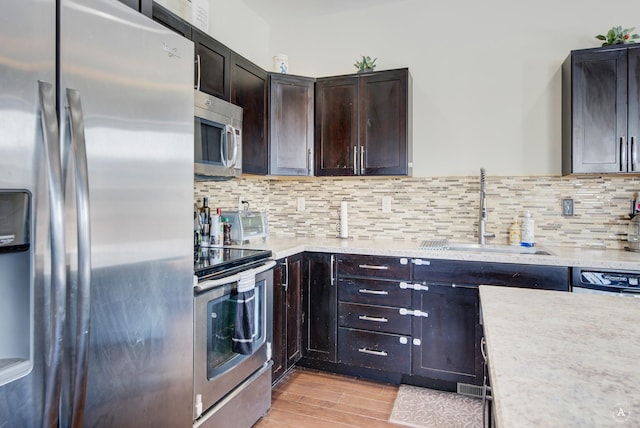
<point>562,359</point>
<point>561,256</point>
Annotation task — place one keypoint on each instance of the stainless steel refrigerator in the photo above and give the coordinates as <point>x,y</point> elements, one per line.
<point>96,197</point>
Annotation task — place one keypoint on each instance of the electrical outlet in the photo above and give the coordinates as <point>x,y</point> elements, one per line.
<point>567,207</point>
<point>300,206</point>
<point>386,204</point>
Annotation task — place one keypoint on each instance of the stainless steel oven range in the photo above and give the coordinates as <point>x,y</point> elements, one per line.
<point>233,318</point>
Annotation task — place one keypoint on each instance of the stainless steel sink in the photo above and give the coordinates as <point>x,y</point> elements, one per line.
<point>505,249</point>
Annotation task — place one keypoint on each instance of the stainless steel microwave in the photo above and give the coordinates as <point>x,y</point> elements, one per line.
<point>218,138</point>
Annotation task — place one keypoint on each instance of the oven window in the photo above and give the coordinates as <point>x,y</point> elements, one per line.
<point>220,328</point>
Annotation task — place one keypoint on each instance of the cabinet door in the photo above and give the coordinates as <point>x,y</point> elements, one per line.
<point>212,71</point>
<point>634,107</point>
<point>449,331</point>
<point>169,20</point>
<point>249,91</point>
<point>599,112</point>
<point>294,310</point>
<point>142,6</point>
<point>291,125</point>
<point>383,123</point>
<point>336,126</point>
<point>320,307</point>
<point>278,354</point>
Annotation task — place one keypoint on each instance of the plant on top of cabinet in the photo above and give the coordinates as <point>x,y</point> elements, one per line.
<point>366,64</point>
<point>617,35</point>
<point>362,124</point>
<point>601,110</point>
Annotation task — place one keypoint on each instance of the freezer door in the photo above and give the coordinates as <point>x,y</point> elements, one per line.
<point>27,56</point>
<point>128,81</point>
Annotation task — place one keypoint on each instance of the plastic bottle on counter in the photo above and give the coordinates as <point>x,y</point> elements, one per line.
<point>515,236</point>
<point>527,231</point>
<point>215,228</point>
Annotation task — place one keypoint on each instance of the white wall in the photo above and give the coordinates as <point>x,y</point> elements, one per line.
<point>240,28</point>
<point>486,74</point>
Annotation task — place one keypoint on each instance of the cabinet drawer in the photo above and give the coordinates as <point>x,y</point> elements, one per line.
<point>377,318</point>
<point>381,351</point>
<point>374,292</point>
<point>374,266</point>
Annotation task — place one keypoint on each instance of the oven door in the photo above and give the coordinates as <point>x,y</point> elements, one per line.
<point>218,369</point>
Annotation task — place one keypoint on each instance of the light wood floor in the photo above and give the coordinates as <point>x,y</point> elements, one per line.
<point>314,399</point>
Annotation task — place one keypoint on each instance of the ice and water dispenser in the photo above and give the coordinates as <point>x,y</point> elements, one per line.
<point>16,285</point>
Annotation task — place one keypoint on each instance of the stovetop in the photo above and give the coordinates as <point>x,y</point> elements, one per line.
<point>218,261</point>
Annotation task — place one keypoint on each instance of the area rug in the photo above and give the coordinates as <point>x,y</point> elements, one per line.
<point>428,408</point>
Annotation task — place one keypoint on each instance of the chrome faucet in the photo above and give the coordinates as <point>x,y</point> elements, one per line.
<point>482,233</point>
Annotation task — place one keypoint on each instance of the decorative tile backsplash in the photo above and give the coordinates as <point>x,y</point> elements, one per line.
<point>437,207</point>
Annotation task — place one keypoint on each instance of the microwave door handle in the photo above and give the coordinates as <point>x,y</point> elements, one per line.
<point>234,159</point>
<point>223,146</point>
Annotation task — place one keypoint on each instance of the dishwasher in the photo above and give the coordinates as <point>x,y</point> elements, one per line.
<point>605,281</point>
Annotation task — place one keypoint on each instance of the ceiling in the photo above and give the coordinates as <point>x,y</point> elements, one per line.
<point>276,10</point>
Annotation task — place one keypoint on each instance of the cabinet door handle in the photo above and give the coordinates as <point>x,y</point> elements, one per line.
<point>376,292</point>
<point>623,154</point>
<point>483,350</point>
<point>372,319</point>
<point>309,161</point>
<point>198,70</point>
<point>331,269</point>
<point>355,160</point>
<point>361,160</point>
<point>373,352</point>
<point>376,267</point>
<point>285,283</point>
<point>634,155</point>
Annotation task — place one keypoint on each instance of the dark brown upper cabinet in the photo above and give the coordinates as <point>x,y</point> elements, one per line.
<point>249,91</point>
<point>600,114</point>
<point>291,124</point>
<point>213,65</point>
<point>142,6</point>
<point>362,124</point>
<point>171,21</point>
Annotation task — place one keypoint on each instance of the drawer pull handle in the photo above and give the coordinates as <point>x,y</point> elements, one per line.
<point>376,292</point>
<point>374,319</point>
<point>416,313</point>
<point>376,267</point>
<point>372,352</point>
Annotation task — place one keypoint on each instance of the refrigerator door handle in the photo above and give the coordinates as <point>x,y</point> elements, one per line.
<point>83,302</point>
<point>55,298</point>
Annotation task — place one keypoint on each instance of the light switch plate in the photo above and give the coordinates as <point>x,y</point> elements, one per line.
<point>301,204</point>
<point>567,207</point>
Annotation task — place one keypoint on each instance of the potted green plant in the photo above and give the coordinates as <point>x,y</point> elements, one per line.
<point>366,65</point>
<point>618,35</point>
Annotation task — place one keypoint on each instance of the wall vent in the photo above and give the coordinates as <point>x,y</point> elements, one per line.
<point>470,390</point>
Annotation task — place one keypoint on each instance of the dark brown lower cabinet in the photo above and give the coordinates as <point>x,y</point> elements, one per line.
<point>287,315</point>
<point>448,333</point>
<point>319,302</point>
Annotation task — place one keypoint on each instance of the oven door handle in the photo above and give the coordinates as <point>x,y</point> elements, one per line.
<point>213,283</point>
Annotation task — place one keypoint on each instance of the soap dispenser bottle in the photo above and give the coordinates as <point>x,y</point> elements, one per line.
<point>514,232</point>
<point>527,231</point>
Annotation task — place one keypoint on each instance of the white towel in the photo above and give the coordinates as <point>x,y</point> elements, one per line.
<point>247,281</point>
